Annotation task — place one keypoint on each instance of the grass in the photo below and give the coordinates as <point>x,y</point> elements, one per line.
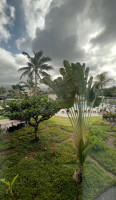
<point>95,181</point>
<point>42,175</point>
<point>1,118</point>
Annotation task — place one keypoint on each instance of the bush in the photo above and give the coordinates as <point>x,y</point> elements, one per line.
<point>98,132</point>
<point>96,144</point>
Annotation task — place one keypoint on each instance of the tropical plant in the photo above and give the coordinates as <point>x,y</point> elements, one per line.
<point>16,91</point>
<point>103,80</point>
<point>77,94</point>
<point>36,66</point>
<point>33,110</point>
<point>3,90</point>
<point>28,84</point>
<point>111,118</point>
<point>10,185</point>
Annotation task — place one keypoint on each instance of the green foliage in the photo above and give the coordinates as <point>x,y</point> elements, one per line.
<point>42,172</point>
<point>95,181</point>
<point>80,154</point>
<point>98,132</point>
<point>109,116</point>
<point>42,175</point>
<point>97,102</point>
<point>31,107</point>
<point>107,158</point>
<point>37,66</point>
<point>110,92</point>
<point>96,144</point>
<point>99,151</point>
<point>74,81</point>
<point>10,184</point>
<point>40,108</point>
<point>115,139</point>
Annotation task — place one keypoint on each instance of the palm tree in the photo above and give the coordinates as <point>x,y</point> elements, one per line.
<point>28,84</point>
<point>36,67</point>
<point>102,79</point>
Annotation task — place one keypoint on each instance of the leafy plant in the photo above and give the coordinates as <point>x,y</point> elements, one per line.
<point>76,92</point>
<point>34,110</point>
<point>36,66</point>
<point>10,185</point>
<point>111,118</point>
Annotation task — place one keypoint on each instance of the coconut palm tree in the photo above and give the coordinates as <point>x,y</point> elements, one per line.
<point>103,79</point>
<point>36,66</point>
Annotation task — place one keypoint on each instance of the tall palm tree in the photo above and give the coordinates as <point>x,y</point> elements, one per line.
<point>103,80</point>
<point>36,67</point>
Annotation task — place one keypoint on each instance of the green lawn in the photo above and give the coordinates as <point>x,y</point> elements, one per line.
<point>42,175</point>
<point>1,118</point>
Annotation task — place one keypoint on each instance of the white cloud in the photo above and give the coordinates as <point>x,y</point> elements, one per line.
<point>9,66</point>
<point>5,20</point>
<point>35,12</point>
<point>24,43</point>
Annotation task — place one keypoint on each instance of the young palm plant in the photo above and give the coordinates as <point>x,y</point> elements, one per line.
<point>10,185</point>
<point>77,94</point>
<point>28,84</point>
<point>36,66</point>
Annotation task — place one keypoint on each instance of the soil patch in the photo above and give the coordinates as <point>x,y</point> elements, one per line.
<point>31,155</point>
<point>110,141</point>
<point>7,152</point>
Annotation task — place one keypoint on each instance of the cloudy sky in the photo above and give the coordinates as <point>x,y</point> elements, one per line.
<point>77,30</point>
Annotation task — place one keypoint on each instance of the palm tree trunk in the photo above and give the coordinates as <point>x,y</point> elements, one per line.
<point>35,83</point>
<point>102,96</point>
<point>77,177</point>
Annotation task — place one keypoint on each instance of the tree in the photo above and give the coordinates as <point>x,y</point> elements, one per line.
<point>16,91</point>
<point>28,84</point>
<point>36,66</point>
<point>110,92</point>
<point>2,90</point>
<point>34,110</point>
<point>103,80</point>
<point>77,94</point>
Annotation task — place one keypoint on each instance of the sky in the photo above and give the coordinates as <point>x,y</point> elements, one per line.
<point>75,30</point>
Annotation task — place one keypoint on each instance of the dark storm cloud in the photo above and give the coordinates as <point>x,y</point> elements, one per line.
<point>104,12</point>
<point>59,38</point>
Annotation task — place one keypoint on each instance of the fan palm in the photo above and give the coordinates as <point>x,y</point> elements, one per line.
<point>36,67</point>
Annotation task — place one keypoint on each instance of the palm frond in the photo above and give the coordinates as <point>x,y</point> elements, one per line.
<point>44,60</point>
<point>27,55</point>
<point>30,64</point>
<point>27,72</point>
<point>45,67</point>
<point>31,74</point>
<point>23,69</point>
<point>37,57</point>
<point>44,73</point>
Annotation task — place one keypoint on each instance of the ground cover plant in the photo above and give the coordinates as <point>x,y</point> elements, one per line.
<point>111,118</point>
<point>42,174</point>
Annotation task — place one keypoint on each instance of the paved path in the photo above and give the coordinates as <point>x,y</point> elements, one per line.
<point>6,123</point>
<point>109,194</point>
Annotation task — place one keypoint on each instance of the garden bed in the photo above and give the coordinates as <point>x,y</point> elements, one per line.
<point>42,175</point>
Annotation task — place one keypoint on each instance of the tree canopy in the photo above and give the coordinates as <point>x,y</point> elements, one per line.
<point>36,66</point>
<point>32,109</point>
